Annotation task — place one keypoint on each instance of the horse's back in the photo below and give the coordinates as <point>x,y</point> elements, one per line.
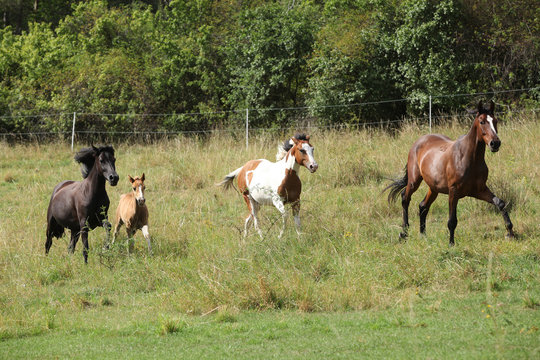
<point>130,213</point>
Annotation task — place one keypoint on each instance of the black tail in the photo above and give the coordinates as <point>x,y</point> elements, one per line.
<point>397,186</point>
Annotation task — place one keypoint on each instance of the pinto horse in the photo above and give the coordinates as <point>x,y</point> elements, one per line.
<point>132,212</point>
<point>263,182</point>
<point>82,205</point>
<point>456,168</point>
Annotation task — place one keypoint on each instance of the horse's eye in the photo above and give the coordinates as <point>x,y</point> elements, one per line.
<point>482,122</point>
<point>134,189</point>
<point>303,151</point>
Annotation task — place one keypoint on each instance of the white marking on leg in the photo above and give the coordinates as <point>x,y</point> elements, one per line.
<point>279,205</point>
<point>146,235</point>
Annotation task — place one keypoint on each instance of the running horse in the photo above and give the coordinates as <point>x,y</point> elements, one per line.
<point>132,212</point>
<point>81,206</point>
<point>456,168</point>
<point>262,182</point>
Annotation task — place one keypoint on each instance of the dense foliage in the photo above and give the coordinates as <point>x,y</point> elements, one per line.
<point>201,56</point>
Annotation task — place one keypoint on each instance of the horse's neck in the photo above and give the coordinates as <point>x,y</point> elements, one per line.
<point>94,182</point>
<point>473,150</point>
<point>289,163</point>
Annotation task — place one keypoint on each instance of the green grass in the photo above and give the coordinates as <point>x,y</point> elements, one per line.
<point>347,288</point>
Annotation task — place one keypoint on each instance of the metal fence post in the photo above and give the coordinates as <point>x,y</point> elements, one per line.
<point>247,128</point>
<point>73,131</point>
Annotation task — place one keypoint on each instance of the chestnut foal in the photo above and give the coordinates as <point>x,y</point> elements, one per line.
<point>132,212</point>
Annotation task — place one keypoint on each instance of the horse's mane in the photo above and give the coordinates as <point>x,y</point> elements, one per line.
<point>287,145</point>
<point>87,156</point>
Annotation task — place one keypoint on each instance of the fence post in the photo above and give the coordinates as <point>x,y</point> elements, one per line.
<point>247,128</point>
<point>73,131</point>
<point>429,113</point>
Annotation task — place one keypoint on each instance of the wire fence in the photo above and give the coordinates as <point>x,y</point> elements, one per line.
<point>87,126</point>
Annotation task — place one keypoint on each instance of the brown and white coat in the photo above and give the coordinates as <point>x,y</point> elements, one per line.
<point>262,182</point>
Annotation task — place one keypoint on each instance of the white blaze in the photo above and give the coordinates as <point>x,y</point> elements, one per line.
<point>490,121</point>
<point>309,152</point>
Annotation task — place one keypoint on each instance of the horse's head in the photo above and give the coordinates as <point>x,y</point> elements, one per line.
<point>105,163</point>
<point>486,125</point>
<point>303,152</point>
<point>138,187</point>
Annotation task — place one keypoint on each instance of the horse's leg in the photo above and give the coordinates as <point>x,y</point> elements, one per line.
<point>296,215</point>
<point>116,229</point>
<point>146,235</point>
<point>107,226</point>
<point>414,180</point>
<point>281,207</point>
<point>73,242</point>
<point>489,197</point>
<point>452,218</point>
<point>131,240</point>
<point>249,219</point>
<point>254,210</point>
<point>424,208</point>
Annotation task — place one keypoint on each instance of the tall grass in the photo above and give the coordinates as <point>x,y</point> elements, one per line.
<point>349,258</point>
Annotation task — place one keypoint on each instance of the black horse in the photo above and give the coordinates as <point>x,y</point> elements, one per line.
<point>81,206</point>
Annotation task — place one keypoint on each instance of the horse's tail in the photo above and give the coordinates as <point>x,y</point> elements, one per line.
<point>397,186</point>
<point>228,179</point>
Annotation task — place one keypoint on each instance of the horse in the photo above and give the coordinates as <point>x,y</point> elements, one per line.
<point>82,205</point>
<point>456,168</point>
<point>262,182</point>
<point>132,212</point>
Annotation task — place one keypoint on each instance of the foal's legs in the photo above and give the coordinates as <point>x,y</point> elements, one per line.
<point>119,223</point>
<point>131,240</point>
<point>146,235</point>
<point>489,197</point>
<point>424,208</point>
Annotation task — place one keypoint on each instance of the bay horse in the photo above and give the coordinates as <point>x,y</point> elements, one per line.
<point>456,168</point>
<point>132,212</point>
<point>262,182</point>
<point>81,206</point>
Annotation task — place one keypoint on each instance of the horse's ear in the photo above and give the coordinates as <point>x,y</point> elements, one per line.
<point>307,137</point>
<point>142,177</point>
<point>295,141</point>
<point>492,106</point>
<point>480,106</point>
<point>131,180</point>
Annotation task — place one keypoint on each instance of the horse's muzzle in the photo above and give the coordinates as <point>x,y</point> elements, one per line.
<point>140,202</point>
<point>113,179</point>
<point>313,167</point>
<point>494,145</point>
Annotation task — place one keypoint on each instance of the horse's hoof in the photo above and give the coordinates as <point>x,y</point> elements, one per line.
<point>511,236</point>
<point>402,235</point>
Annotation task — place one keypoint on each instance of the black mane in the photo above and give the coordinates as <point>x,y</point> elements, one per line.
<point>287,143</point>
<point>87,156</point>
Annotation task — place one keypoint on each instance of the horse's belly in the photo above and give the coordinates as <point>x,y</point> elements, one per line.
<point>262,194</point>
<point>433,170</point>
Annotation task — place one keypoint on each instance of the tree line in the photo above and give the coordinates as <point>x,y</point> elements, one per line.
<point>203,56</point>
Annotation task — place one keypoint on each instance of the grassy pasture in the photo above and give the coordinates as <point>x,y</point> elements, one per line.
<point>347,287</point>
